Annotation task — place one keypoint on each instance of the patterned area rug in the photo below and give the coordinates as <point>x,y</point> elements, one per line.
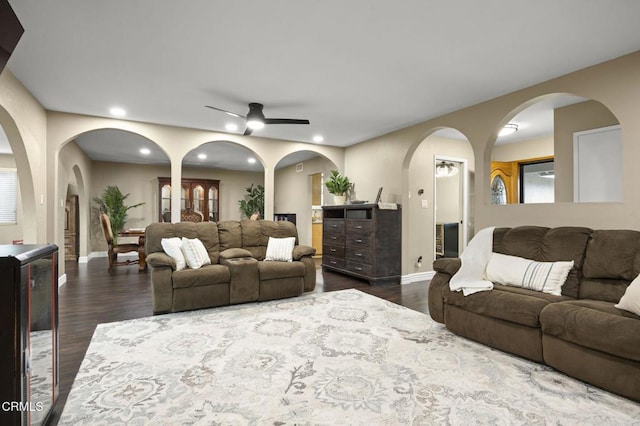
<point>334,358</point>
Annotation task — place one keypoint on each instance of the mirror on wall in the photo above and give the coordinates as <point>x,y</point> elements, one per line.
<point>536,157</point>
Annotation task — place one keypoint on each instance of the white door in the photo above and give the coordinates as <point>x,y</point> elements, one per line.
<point>597,165</point>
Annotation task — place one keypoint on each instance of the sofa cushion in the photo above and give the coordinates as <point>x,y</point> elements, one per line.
<point>514,304</point>
<point>594,324</point>
<point>195,254</point>
<point>230,234</point>
<point>612,261</point>
<point>547,277</point>
<point>274,270</point>
<point>252,233</point>
<point>173,248</point>
<point>547,245</point>
<point>280,249</point>
<point>207,275</point>
<point>613,254</point>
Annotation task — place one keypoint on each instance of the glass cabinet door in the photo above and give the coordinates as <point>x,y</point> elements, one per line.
<point>200,195</point>
<point>213,204</point>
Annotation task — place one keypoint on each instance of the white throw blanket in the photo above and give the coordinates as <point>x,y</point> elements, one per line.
<point>475,257</point>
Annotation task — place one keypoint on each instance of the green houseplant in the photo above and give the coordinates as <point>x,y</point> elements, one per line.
<point>112,204</point>
<point>338,185</point>
<point>253,201</point>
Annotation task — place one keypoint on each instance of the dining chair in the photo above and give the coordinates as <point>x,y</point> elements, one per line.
<point>115,249</point>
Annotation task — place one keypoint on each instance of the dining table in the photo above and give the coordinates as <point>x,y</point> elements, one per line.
<point>140,233</point>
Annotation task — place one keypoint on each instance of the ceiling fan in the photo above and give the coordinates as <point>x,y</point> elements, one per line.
<point>255,118</point>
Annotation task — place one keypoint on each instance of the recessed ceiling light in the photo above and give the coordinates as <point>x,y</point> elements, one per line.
<point>318,138</point>
<point>145,151</point>
<point>232,127</point>
<point>118,112</point>
<point>508,129</point>
<point>251,160</point>
<point>202,156</point>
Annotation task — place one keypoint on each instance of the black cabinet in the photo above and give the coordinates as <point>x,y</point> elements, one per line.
<point>364,241</point>
<point>447,240</point>
<point>28,333</point>
<point>287,217</point>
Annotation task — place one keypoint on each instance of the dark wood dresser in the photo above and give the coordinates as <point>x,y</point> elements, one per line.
<point>364,241</point>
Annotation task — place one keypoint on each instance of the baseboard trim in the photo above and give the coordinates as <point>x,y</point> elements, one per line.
<point>62,279</point>
<point>418,276</point>
<point>95,254</point>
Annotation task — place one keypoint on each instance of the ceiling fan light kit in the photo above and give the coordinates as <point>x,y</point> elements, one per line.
<point>255,119</point>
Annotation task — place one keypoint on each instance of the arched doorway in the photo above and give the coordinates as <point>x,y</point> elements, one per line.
<point>216,177</point>
<point>439,181</point>
<point>300,193</point>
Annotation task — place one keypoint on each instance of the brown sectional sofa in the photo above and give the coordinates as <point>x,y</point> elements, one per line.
<point>237,273</point>
<point>580,333</point>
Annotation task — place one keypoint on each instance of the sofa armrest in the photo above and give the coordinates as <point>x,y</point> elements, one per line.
<point>447,265</point>
<point>300,251</point>
<point>158,259</point>
<point>234,253</point>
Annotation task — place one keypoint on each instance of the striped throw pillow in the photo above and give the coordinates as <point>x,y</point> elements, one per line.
<point>547,277</point>
<point>195,253</point>
<point>280,249</point>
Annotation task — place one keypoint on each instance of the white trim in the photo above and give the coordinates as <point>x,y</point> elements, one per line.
<point>83,259</point>
<point>62,279</point>
<point>418,276</point>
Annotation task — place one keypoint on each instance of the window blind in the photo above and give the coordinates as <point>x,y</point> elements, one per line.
<point>9,193</point>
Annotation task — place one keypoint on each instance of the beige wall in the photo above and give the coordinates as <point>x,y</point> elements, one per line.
<point>37,137</point>
<point>534,148</point>
<point>293,193</point>
<point>568,120</point>
<point>384,161</point>
<point>24,122</point>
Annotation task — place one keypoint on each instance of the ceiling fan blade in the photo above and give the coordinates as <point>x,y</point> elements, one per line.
<point>247,131</point>
<point>225,111</point>
<point>285,121</point>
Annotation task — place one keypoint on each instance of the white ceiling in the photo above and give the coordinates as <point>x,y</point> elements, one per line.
<point>355,69</point>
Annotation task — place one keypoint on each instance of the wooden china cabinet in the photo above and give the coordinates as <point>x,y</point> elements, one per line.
<point>201,195</point>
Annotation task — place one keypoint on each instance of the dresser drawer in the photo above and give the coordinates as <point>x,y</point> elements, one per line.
<point>333,261</point>
<point>333,226</point>
<point>358,239</point>
<point>333,238</point>
<point>334,251</point>
<point>360,255</point>
<point>359,226</point>
<point>359,268</point>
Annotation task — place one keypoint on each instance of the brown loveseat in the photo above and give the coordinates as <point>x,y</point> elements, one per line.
<point>580,333</point>
<point>237,273</point>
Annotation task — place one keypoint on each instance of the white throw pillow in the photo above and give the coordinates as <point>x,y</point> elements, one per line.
<point>630,301</point>
<point>280,249</point>
<point>173,247</point>
<point>195,253</point>
<point>547,277</point>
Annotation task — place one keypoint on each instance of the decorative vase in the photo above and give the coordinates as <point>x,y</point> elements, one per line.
<point>339,199</point>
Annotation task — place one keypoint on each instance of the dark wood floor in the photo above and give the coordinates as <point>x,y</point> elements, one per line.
<point>92,296</point>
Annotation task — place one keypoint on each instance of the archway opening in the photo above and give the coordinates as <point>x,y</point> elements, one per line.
<point>440,174</point>
<point>300,193</point>
<point>560,148</point>
<point>216,177</point>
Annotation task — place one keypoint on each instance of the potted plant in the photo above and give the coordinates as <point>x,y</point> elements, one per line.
<point>253,202</point>
<point>338,185</point>
<point>112,204</point>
